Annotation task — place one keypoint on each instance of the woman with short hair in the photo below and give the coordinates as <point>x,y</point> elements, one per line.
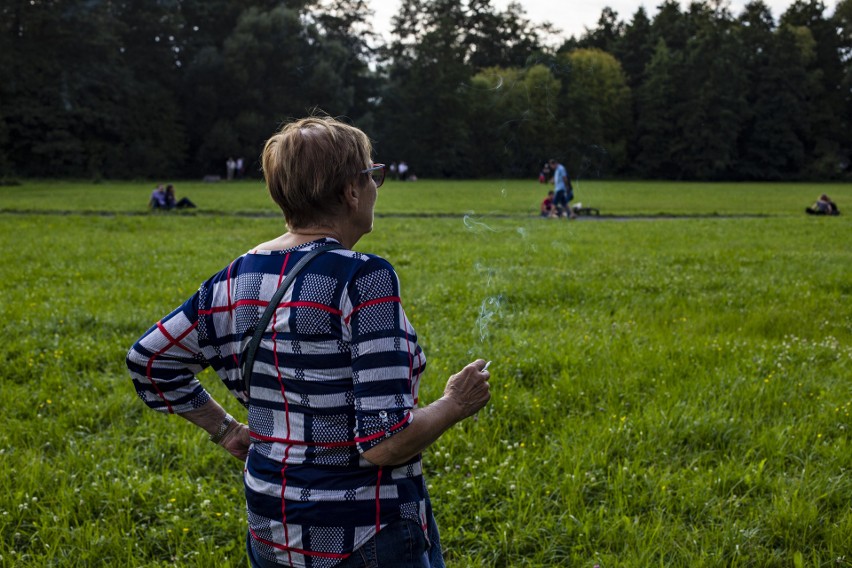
<point>333,474</point>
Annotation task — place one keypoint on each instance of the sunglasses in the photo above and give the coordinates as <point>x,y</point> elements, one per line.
<point>377,172</point>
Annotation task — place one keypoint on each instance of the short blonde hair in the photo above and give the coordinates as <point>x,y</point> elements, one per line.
<point>307,165</point>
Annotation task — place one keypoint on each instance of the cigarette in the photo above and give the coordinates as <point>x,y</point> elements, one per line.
<point>485,368</point>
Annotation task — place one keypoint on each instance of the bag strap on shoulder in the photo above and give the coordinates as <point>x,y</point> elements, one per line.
<point>260,329</point>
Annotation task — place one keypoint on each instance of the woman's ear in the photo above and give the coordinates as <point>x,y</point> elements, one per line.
<point>351,195</point>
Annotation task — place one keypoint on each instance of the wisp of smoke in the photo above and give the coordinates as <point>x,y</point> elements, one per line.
<point>487,311</point>
<point>496,87</point>
<point>488,272</point>
<point>476,226</point>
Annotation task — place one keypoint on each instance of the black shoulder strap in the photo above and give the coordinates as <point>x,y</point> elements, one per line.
<point>248,360</point>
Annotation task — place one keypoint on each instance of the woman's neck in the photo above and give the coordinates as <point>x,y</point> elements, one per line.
<point>308,234</point>
<point>297,237</point>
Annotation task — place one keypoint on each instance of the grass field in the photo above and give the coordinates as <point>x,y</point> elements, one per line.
<point>666,391</point>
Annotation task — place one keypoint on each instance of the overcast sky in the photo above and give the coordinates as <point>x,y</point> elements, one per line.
<point>573,16</point>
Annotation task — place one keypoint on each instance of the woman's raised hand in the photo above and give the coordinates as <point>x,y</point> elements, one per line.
<point>469,388</point>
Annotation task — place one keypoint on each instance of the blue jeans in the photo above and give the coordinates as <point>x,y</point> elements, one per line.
<point>399,545</point>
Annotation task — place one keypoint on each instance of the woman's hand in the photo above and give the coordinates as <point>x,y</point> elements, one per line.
<point>469,388</point>
<point>210,417</point>
<point>236,440</point>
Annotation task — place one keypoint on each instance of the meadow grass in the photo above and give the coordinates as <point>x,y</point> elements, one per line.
<point>429,197</point>
<point>667,392</point>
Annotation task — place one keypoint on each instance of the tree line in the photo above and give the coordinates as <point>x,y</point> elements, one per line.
<point>157,88</point>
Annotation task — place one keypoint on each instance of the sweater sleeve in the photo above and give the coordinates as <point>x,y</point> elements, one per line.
<point>163,363</point>
<point>384,350</point>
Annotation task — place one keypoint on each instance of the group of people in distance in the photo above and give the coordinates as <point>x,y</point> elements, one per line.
<point>234,168</point>
<point>164,198</point>
<point>823,206</point>
<point>557,203</point>
<point>401,172</point>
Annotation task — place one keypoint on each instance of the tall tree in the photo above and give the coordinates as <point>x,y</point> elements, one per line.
<point>511,115</point>
<point>346,31</point>
<point>427,90</point>
<point>496,108</point>
<point>75,103</point>
<point>656,128</point>
<point>276,61</point>
<point>606,34</point>
<point>150,35</point>
<point>830,119</point>
<point>494,39</point>
<point>597,113</point>
<point>710,115</point>
<point>843,21</point>
<point>671,25</point>
<point>635,47</point>
<point>770,145</point>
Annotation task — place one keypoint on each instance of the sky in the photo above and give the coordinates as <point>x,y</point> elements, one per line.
<point>572,16</point>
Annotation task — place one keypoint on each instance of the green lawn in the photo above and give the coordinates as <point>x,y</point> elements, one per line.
<point>486,197</point>
<point>671,392</point>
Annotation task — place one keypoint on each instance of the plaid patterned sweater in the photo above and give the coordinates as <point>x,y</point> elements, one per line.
<point>337,372</point>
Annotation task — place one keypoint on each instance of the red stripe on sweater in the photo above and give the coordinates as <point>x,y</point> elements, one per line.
<point>298,550</point>
<point>150,364</point>
<point>371,303</point>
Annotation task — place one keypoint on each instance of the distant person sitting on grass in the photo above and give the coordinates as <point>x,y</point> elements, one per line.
<point>548,210</point>
<point>158,199</point>
<point>823,206</point>
<point>172,203</point>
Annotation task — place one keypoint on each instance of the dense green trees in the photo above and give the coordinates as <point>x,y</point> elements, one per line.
<point>724,97</point>
<point>132,88</point>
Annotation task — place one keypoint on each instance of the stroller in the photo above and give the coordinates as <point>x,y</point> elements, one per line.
<point>588,211</point>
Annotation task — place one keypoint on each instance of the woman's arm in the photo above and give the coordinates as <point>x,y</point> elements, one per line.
<point>466,392</point>
<point>163,365</point>
<point>222,427</point>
